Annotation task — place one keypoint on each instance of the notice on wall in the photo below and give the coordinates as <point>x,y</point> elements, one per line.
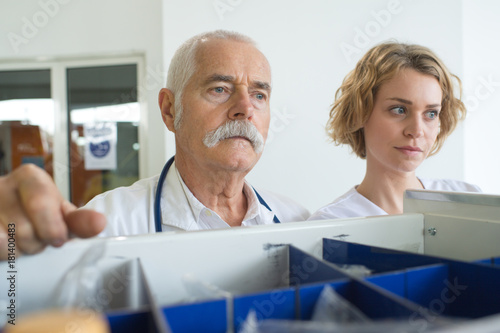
<point>100,149</point>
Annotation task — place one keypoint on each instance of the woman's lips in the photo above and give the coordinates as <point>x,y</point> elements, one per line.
<point>409,150</point>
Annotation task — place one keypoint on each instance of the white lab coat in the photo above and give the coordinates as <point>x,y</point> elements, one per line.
<point>129,210</point>
<point>353,204</point>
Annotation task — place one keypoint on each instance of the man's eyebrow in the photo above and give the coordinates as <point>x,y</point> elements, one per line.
<point>262,85</point>
<point>405,101</point>
<point>219,78</point>
<point>228,78</point>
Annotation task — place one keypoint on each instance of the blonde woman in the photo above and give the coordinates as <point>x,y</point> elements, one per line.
<point>396,108</point>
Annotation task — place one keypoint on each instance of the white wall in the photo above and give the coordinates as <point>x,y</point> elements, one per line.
<point>47,29</point>
<point>304,42</point>
<point>482,87</point>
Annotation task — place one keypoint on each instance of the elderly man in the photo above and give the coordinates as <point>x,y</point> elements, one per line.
<point>217,105</point>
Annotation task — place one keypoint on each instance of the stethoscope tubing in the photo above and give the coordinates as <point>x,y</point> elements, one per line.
<point>159,188</point>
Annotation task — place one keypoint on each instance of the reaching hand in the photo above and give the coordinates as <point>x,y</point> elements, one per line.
<point>35,213</point>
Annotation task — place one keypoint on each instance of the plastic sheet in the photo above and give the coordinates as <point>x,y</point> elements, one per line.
<point>359,271</point>
<point>80,284</point>
<point>333,308</point>
<point>201,290</point>
<point>279,326</point>
<point>333,314</point>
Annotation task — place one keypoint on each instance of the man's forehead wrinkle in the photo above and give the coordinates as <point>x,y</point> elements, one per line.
<point>216,62</point>
<point>219,78</point>
<point>229,78</point>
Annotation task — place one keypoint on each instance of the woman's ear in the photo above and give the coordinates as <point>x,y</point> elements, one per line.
<point>166,101</point>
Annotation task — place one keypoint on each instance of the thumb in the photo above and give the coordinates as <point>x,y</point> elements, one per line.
<point>83,223</point>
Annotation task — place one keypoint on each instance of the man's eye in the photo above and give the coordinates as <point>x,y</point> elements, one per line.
<point>219,90</point>
<point>259,96</point>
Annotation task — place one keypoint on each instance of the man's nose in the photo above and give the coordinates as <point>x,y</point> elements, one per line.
<point>241,107</point>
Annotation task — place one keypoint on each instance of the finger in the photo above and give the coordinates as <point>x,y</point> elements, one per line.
<point>4,246</point>
<point>83,222</point>
<point>26,239</point>
<point>14,222</point>
<point>15,240</point>
<point>41,203</point>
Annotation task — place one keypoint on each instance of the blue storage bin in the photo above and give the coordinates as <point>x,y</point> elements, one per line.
<point>376,303</point>
<point>275,304</point>
<point>490,261</point>
<point>455,289</point>
<point>378,260</point>
<point>404,286</point>
<point>209,316</point>
<point>131,322</point>
<point>304,268</point>
<point>308,295</point>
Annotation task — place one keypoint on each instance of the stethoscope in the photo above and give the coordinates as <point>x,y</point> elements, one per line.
<point>159,188</point>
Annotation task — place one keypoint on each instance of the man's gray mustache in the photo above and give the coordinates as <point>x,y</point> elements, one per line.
<point>233,128</point>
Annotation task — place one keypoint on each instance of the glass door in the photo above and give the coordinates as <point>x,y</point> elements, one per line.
<point>103,122</point>
<point>26,119</point>
<point>78,119</point>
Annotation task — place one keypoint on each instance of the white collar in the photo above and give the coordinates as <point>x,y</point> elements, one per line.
<point>182,210</point>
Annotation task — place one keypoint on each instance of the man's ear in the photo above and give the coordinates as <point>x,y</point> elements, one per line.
<point>166,102</point>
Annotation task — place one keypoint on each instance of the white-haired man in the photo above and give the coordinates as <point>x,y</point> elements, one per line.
<point>217,105</point>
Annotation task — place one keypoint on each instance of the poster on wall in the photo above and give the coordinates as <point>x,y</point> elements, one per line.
<point>100,149</point>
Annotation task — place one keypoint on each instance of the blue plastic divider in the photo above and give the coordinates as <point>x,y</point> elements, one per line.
<point>375,302</point>
<point>404,285</point>
<point>210,317</point>
<point>131,322</point>
<point>490,261</point>
<point>308,295</point>
<point>394,282</point>
<point>305,268</point>
<point>274,304</point>
<point>454,289</point>
<point>477,290</point>
<point>377,259</point>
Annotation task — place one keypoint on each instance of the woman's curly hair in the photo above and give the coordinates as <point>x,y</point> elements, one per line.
<point>354,99</point>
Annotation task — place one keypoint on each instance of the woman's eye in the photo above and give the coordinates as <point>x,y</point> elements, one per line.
<point>398,110</point>
<point>432,114</point>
